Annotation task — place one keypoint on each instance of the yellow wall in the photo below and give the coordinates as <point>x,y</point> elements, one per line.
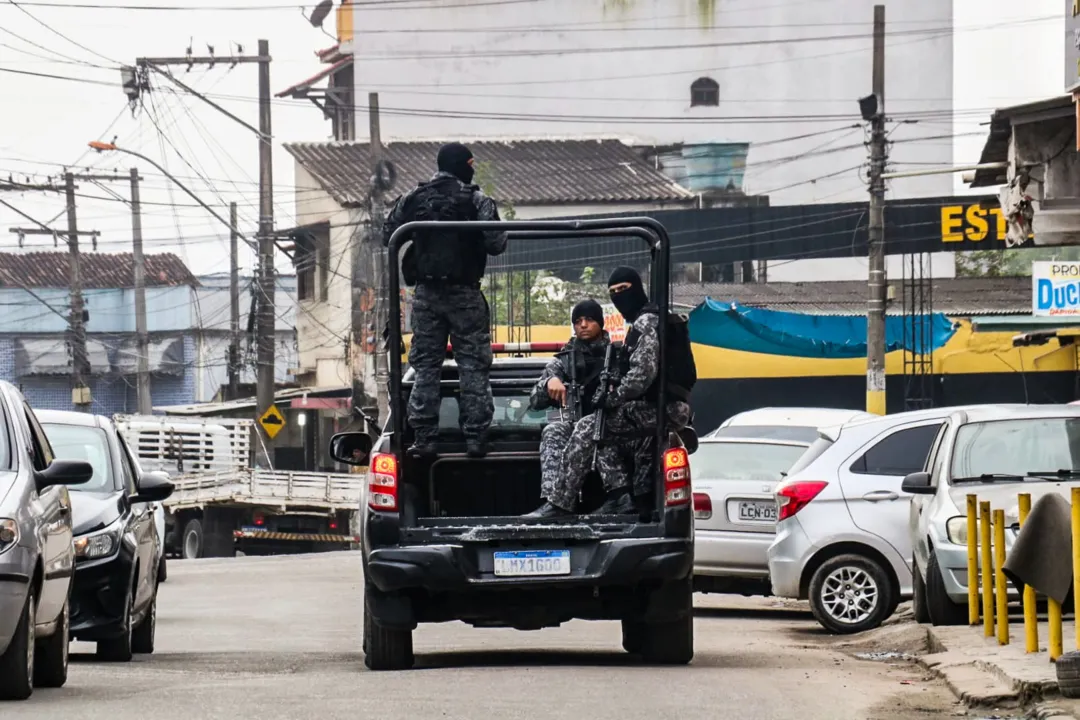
<point>966,352</point>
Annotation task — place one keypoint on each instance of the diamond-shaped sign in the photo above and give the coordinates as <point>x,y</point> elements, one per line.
<point>272,421</point>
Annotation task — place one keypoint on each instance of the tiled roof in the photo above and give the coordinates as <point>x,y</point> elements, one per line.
<point>529,172</point>
<point>97,270</point>
<point>960,297</point>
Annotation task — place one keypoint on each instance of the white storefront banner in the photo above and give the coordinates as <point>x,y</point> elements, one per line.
<point>1055,289</point>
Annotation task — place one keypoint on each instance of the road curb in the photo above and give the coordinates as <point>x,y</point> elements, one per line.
<point>981,683</point>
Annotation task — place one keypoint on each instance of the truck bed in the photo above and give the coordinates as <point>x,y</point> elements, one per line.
<point>268,488</point>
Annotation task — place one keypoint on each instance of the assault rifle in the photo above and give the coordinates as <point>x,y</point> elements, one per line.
<point>607,377</point>
<point>573,389</point>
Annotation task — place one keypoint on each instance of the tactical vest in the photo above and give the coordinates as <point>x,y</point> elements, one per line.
<point>453,257</point>
<point>680,371</point>
<point>588,362</point>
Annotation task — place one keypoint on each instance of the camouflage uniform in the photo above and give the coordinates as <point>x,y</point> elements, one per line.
<point>460,314</point>
<point>627,417</point>
<point>556,434</point>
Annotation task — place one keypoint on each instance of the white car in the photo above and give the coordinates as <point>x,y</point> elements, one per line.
<point>842,537</point>
<point>794,423</point>
<point>994,453</point>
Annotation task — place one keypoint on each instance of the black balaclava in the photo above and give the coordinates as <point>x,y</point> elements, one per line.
<point>454,159</point>
<point>588,309</point>
<point>630,301</point>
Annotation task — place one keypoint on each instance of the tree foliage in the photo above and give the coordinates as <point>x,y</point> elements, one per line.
<point>1009,263</point>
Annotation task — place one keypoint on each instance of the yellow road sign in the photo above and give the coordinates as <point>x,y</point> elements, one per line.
<point>272,421</point>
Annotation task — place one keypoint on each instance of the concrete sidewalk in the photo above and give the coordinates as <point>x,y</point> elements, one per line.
<point>987,675</point>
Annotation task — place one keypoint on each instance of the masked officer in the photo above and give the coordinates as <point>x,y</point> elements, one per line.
<point>446,268</point>
<point>578,363</point>
<point>623,456</point>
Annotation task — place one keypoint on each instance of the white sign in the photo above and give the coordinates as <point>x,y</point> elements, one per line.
<point>1055,289</point>
<point>614,323</point>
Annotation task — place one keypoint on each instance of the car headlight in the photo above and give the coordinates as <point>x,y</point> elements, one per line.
<point>102,543</point>
<point>956,530</point>
<point>9,534</point>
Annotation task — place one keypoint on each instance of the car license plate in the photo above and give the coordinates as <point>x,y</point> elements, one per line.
<point>252,529</point>
<point>520,563</point>
<point>758,511</point>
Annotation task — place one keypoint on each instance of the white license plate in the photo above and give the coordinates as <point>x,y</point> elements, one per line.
<point>520,563</point>
<point>758,511</point>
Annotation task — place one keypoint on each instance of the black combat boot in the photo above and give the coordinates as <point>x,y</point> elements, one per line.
<point>618,502</point>
<point>548,510</point>
<point>423,449</point>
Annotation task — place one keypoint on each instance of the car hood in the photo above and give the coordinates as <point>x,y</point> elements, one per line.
<point>92,511</point>
<point>1003,495</point>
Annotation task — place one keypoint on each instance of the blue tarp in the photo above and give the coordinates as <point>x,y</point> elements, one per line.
<point>734,327</point>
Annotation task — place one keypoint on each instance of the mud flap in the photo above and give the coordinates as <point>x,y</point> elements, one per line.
<point>390,610</point>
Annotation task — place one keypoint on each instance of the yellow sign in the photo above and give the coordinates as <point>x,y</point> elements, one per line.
<point>272,421</point>
<point>972,223</point>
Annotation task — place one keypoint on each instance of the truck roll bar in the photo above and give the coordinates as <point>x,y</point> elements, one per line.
<point>650,230</point>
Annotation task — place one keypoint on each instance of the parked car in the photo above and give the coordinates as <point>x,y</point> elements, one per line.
<point>995,453</point>
<point>117,546</point>
<point>842,537</point>
<point>789,423</point>
<point>735,509</point>
<point>35,535</point>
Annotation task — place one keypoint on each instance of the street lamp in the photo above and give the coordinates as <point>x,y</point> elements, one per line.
<point>112,147</point>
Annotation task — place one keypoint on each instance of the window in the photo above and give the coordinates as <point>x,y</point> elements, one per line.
<point>902,453</point>
<point>40,447</point>
<point>129,468</point>
<point>511,412</point>
<point>743,460</point>
<point>704,91</point>
<point>90,444</point>
<point>1017,447</point>
<point>322,260</point>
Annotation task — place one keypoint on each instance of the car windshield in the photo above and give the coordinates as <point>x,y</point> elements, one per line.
<point>511,411</point>
<point>80,442</point>
<point>1017,447</point>
<point>743,460</point>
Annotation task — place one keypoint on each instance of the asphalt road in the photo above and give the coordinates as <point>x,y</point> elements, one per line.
<point>278,638</point>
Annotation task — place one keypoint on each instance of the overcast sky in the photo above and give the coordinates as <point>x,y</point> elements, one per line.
<point>45,122</point>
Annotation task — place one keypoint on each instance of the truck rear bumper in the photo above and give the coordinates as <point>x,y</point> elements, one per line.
<point>449,568</point>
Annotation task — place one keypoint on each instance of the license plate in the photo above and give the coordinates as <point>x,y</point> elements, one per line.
<point>758,511</point>
<point>252,529</point>
<point>520,563</point>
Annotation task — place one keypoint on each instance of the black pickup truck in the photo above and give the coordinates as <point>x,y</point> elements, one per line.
<point>444,539</point>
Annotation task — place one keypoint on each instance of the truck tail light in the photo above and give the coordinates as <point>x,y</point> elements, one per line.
<point>676,477</point>
<point>383,483</point>
<point>702,506</point>
<point>795,496</point>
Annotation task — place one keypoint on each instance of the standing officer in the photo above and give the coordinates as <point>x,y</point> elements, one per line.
<point>579,362</point>
<point>630,406</point>
<point>446,267</point>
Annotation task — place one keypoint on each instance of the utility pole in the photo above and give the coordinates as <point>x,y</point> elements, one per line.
<point>234,307</point>
<point>379,258</point>
<point>80,367</point>
<point>875,314</point>
<point>266,331</point>
<point>142,340</point>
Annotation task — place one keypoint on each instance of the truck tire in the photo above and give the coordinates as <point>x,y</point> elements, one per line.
<point>17,662</point>
<point>942,610</point>
<point>671,642</point>
<point>51,655</point>
<point>191,540</point>
<point>385,648</point>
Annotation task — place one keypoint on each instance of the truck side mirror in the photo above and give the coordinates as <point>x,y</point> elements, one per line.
<point>351,448</point>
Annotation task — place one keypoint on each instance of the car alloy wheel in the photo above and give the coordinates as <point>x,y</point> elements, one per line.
<point>850,595</point>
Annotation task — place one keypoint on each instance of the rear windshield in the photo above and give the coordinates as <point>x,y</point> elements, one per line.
<point>743,460</point>
<point>797,433</point>
<point>816,449</point>
<point>511,411</point>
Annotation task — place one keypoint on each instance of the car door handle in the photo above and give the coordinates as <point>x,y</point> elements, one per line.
<point>880,495</point>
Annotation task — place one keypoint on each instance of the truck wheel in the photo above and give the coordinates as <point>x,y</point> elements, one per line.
<point>942,610</point>
<point>672,642</point>
<point>191,540</point>
<point>17,662</point>
<point>633,633</point>
<point>850,594</point>
<point>385,648</point>
<point>51,664</point>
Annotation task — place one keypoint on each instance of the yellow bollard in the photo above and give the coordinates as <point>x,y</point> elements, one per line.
<point>1000,589</point>
<point>973,558</point>
<point>1056,644</point>
<point>1031,616</point>
<point>987,569</point>
<point>1076,560</point>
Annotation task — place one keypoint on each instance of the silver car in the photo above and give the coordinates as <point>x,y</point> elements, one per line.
<point>735,474</point>
<point>37,559</point>
<point>994,453</point>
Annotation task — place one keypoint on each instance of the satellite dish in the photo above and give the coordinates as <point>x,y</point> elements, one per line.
<point>320,12</point>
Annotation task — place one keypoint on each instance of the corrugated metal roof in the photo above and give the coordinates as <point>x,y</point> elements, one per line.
<point>534,172</point>
<point>961,297</point>
<point>97,270</point>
